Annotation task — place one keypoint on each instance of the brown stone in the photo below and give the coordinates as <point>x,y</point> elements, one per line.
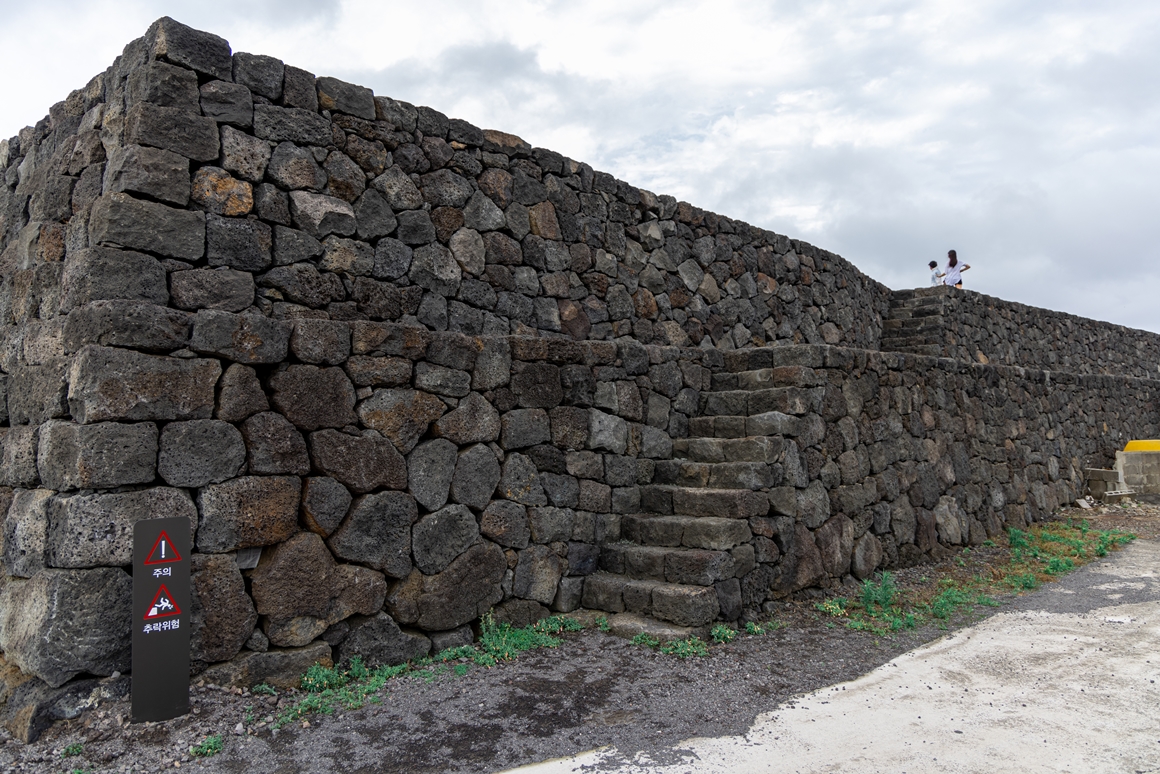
<point>247,512</point>
<point>278,668</point>
<point>313,397</point>
<point>363,463</point>
<point>401,415</point>
<point>464,591</point>
<point>217,191</point>
<point>223,616</point>
<point>240,394</point>
<point>835,542</point>
<point>377,533</point>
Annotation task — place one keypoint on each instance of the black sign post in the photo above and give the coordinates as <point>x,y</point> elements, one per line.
<point>161,619</point>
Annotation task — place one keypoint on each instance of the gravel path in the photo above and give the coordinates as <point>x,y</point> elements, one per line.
<point>594,690</point>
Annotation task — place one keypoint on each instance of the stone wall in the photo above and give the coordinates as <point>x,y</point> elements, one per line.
<point>398,371</point>
<point>973,327</point>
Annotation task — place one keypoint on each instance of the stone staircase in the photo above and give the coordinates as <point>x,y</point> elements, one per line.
<point>914,322</point>
<point>679,560</point>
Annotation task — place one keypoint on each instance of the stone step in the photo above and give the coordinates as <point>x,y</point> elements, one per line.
<point>918,302</point>
<point>761,448</point>
<point>667,500</point>
<point>765,378</point>
<point>629,625</point>
<point>667,564</point>
<point>786,400</point>
<point>902,344</point>
<point>737,427</point>
<point>928,350</point>
<point>896,324</point>
<point>718,475</point>
<point>705,532</point>
<point>679,604</point>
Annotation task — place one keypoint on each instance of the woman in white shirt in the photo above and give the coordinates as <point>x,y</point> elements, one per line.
<point>954,272</point>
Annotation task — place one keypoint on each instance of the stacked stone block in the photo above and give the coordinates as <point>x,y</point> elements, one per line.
<point>976,328</point>
<point>399,372</point>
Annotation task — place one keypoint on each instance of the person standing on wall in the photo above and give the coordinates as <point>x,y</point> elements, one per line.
<point>954,272</point>
<point>936,276</point>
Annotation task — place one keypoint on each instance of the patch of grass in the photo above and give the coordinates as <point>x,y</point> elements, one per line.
<point>646,639</point>
<point>329,688</point>
<point>694,646</point>
<point>835,606</point>
<point>757,629</point>
<point>1038,554</point>
<point>72,750</point>
<point>723,634</point>
<point>263,690</point>
<point>210,746</point>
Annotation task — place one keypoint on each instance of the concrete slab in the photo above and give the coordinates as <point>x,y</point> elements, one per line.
<point>1066,682</point>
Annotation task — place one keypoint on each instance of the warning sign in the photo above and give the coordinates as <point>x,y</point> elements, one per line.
<point>161,599</point>
<point>163,551</point>
<point>162,606</point>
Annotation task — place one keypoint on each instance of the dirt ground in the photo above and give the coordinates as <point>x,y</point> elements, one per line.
<point>593,690</point>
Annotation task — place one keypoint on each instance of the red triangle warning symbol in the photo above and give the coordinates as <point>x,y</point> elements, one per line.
<point>163,551</point>
<point>162,606</point>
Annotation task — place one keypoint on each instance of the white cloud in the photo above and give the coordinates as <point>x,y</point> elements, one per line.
<point>1023,134</point>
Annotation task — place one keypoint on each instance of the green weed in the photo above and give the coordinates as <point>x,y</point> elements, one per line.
<point>72,750</point>
<point>263,690</point>
<point>722,634</point>
<point>328,688</point>
<point>758,629</point>
<point>602,624</point>
<point>646,639</point>
<point>694,646</point>
<point>879,596</point>
<point>835,606</point>
<point>211,745</point>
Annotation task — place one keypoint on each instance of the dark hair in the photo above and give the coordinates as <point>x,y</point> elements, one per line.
<point>954,258</point>
<point>933,264</point>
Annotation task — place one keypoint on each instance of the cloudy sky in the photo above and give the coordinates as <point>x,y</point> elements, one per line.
<point>1026,135</point>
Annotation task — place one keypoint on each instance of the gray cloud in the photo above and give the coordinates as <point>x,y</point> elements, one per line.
<point>1026,136</point>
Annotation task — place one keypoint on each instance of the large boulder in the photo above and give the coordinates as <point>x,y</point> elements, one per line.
<point>363,463</point>
<point>247,512</point>
<point>538,574</point>
<point>277,667</point>
<point>438,538</point>
<point>464,591</point>
<point>119,384</point>
<point>62,623</point>
<point>96,529</point>
<point>377,533</point>
<point>401,415</point>
<point>430,468</point>
<point>100,456</point>
<point>380,641</point>
<point>200,452</point>
<point>302,591</point>
<point>222,614</point>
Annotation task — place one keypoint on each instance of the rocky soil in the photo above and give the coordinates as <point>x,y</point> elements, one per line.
<point>593,690</point>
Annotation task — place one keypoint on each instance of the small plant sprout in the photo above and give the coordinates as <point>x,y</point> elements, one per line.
<point>602,624</point>
<point>723,634</point>
<point>646,639</point>
<point>693,646</point>
<point>263,690</point>
<point>835,606</point>
<point>72,750</point>
<point>210,746</point>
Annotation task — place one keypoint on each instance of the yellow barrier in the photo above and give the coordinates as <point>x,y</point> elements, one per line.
<point>1142,446</point>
